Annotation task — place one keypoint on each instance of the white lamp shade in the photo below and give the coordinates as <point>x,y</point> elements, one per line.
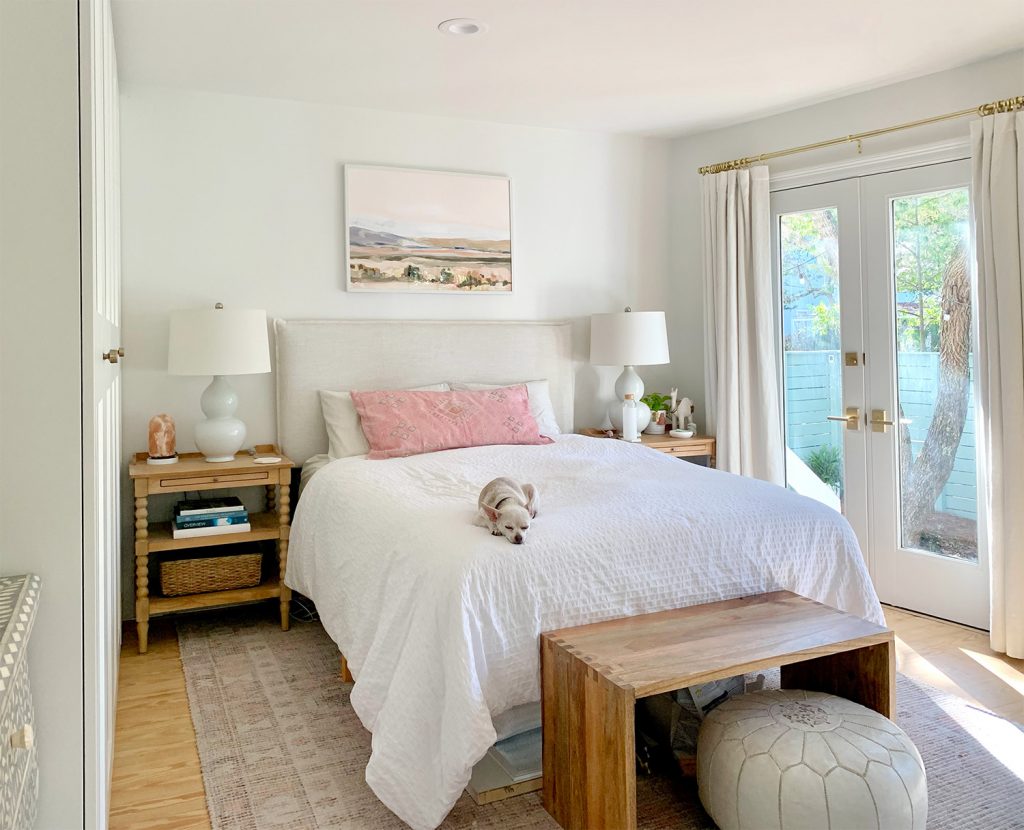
<point>628,338</point>
<point>218,341</point>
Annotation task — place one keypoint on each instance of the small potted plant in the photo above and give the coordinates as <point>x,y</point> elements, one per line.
<point>659,405</point>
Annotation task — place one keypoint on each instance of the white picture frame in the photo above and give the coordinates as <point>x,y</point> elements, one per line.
<point>416,231</point>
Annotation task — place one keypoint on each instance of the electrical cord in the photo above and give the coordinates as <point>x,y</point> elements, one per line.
<point>303,609</point>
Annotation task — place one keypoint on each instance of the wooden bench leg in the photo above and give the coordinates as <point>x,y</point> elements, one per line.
<point>865,675</point>
<point>346,675</point>
<point>589,764</point>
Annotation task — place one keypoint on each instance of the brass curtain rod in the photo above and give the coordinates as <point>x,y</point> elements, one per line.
<point>1005,105</point>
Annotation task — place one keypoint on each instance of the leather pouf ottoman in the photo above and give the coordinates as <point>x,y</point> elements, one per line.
<point>792,759</point>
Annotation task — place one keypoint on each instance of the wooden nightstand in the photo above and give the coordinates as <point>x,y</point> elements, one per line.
<point>699,446</point>
<point>193,473</point>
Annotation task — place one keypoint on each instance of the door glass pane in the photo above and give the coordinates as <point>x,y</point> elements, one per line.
<point>809,270</point>
<point>935,395</point>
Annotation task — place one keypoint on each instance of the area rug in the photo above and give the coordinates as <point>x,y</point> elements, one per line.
<point>280,746</point>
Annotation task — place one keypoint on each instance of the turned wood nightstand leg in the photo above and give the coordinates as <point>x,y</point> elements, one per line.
<point>283,517</point>
<point>142,571</point>
<point>271,497</point>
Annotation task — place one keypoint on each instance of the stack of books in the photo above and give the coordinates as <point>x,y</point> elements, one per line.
<point>510,767</point>
<point>210,517</point>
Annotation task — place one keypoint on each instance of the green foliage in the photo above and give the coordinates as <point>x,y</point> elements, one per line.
<point>471,280</point>
<point>656,402</point>
<point>926,231</point>
<point>826,325</point>
<point>827,464</point>
<point>810,272</point>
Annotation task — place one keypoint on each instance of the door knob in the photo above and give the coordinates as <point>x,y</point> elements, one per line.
<point>852,417</point>
<point>880,420</point>
<point>114,354</point>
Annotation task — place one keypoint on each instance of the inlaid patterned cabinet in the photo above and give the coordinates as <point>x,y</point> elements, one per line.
<point>19,774</point>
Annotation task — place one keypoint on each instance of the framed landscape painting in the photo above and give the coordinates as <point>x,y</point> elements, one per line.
<point>427,231</point>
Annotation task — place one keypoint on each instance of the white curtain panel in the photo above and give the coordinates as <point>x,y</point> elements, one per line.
<point>741,350</point>
<point>997,154</point>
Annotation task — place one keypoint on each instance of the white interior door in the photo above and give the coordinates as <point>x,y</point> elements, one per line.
<point>817,269</point>
<point>875,280</point>
<point>921,326</point>
<point>101,327</point>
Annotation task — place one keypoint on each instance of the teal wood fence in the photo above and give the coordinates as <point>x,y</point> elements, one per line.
<point>814,390</point>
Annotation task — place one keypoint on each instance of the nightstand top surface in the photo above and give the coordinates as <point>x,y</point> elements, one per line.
<point>656,440</point>
<point>193,463</point>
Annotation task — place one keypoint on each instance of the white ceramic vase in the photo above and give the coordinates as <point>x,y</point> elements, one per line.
<point>221,435</point>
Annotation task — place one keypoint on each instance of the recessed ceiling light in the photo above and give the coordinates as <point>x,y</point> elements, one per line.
<point>462,26</point>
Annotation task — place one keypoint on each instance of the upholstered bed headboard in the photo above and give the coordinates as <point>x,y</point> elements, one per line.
<point>311,355</point>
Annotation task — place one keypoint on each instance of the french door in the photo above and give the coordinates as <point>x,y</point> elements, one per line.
<point>101,399</point>
<point>875,284</point>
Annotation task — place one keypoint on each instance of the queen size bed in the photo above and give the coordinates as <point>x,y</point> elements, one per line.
<point>439,620</point>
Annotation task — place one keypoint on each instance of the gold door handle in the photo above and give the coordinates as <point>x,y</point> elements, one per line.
<point>851,418</point>
<point>114,354</point>
<point>880,420</point>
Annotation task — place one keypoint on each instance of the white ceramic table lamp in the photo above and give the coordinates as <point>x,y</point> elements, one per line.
<point>219,342</point>
<point>628,339</point>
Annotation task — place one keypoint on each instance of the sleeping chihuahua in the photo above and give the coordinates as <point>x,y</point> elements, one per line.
<point>506,508</point>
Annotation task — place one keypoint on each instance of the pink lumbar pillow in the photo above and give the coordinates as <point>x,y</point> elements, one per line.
<point>402,422</point>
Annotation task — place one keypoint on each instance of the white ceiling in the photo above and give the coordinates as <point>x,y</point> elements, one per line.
<point>647,66</point>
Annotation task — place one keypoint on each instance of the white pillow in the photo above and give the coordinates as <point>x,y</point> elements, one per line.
<point>344,434</point>
<point>540,401</point>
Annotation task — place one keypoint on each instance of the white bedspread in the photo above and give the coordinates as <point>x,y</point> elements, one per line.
<point>440,620</point>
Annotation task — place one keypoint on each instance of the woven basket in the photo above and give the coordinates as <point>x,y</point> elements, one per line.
<point>214,573</point>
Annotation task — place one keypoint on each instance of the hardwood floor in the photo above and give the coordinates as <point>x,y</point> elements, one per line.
<point>157,784</point>
<point>958,660</point>
<point>156,779</point>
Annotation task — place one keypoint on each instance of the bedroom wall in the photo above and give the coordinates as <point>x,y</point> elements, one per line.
<point>41,377</point>
<point>238,200</point>
<point>968,86</point>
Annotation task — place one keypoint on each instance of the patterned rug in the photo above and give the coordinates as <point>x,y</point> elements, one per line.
<point>281,747</point>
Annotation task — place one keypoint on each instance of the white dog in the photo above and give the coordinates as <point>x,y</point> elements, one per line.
<point>506,508</point>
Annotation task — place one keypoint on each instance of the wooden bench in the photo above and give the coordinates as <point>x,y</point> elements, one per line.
<point>592,675</point>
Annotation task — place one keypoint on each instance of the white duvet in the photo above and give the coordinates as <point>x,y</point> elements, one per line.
<point>440,620</point>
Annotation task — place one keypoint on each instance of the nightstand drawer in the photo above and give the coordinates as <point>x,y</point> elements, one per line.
<point>687,452</point>
<point>699,449</point>
<point>175,484</point>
